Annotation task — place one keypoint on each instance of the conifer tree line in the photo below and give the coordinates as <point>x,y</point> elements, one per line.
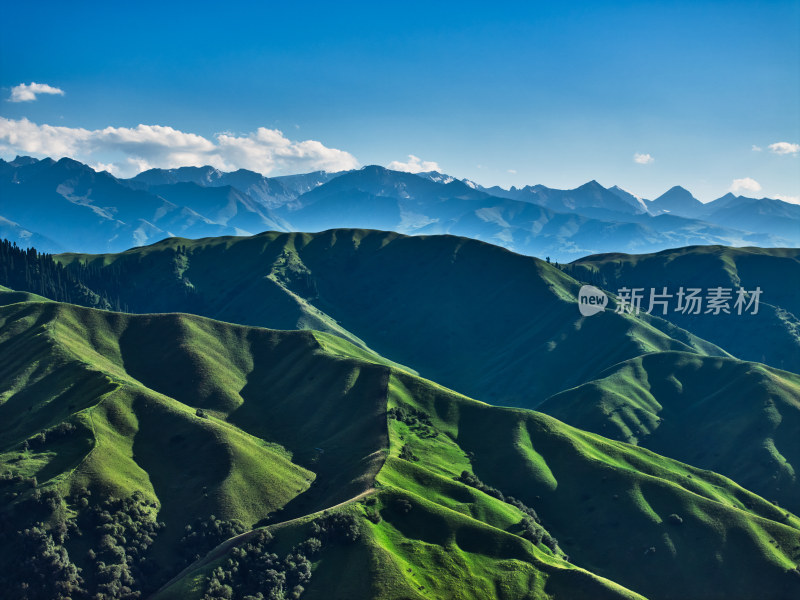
<point>28,270</point>
<point>90,283</point>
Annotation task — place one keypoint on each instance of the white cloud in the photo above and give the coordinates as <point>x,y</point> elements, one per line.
<point>745,184</point>
<point>789,199</point>
<point>126,151</point>
<point>784,148</point>
<point>29,138</point>
<point>110,167</point>
<point>28,92</point>
<point>642,159</point>
<point>414,165</point>
<point>756,148</point>
<point>268,150</point>
<point>512,171</point>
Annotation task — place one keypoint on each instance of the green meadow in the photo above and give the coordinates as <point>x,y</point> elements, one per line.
<point>275,431</point>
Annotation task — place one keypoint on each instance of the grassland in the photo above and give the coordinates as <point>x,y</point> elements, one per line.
<point>737,418</point>
<point>475,317</point>
<point>772,336</point>
<point>270,427</point>
<point>664,467</point>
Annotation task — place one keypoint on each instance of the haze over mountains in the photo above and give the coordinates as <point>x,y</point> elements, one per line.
<point>64,205</point>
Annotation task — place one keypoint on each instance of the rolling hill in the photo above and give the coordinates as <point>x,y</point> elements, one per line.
<point>477,318</point>
<point>740,419</point>
<point>772,336</point>
<point>174,418</point>
<point>76,416</point>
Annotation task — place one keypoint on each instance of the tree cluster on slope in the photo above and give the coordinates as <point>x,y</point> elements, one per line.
<point>253,573</point>
<point>205,534</point>
<point>531,525</point>
<point>117,532</point>
<point>417,420</point>
<point>30,271</point>
<point>107,287</point>
<point>124,530</point>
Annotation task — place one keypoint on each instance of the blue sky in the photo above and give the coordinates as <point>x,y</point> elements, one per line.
<point>502,93</point>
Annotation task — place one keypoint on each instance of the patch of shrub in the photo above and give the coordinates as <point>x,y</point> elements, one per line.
<point>206,533</point>
<point>124,530</point>
<point>675,519</point>
<point>407,454</point>
<point>118,531</point>
<point>402,505</point>
<point>254,573</point>
<point>531,528</point>
<point>336,528</point>
<point>417,420</point>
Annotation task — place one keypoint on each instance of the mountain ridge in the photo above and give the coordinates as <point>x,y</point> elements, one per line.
<point>344,281</point>
<point>533,220</point>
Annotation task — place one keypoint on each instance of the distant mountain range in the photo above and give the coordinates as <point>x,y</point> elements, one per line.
<point>65,205</point>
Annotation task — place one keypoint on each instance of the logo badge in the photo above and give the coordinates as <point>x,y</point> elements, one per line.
<point>591,300</point>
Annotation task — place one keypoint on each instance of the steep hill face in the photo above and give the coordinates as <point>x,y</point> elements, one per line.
<point>772,336</point>
<point>609,505</point>
<point>169,419</point>
<point>751,214</point>
<point>265,192</point>
<point>224,205</point>
<point>189,417</point>
<point>195,423</point>
<point>737,418</point>
<point>590,199</point>
<point>14,231</point>
<point>502,327</point>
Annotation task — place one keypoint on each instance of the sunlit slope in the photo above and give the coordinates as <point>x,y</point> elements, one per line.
<point>737,418</point>
<point>609,504</point>
<point>133,386</point>
<point>130,388</point>
<point>656,526</point>
<point>428,552</point>
<point>772,336</point>
<point>472,316</point>
<point>12,296</point>
<point>452,497</point>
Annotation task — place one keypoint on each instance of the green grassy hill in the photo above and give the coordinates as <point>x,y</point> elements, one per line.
<point>609,504</point>
<point>119,431</point>
<point>654,525</point>
<point>475,317</point>
<point>107,404</point>
<point>737,418</point>
<point>772,336</point>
